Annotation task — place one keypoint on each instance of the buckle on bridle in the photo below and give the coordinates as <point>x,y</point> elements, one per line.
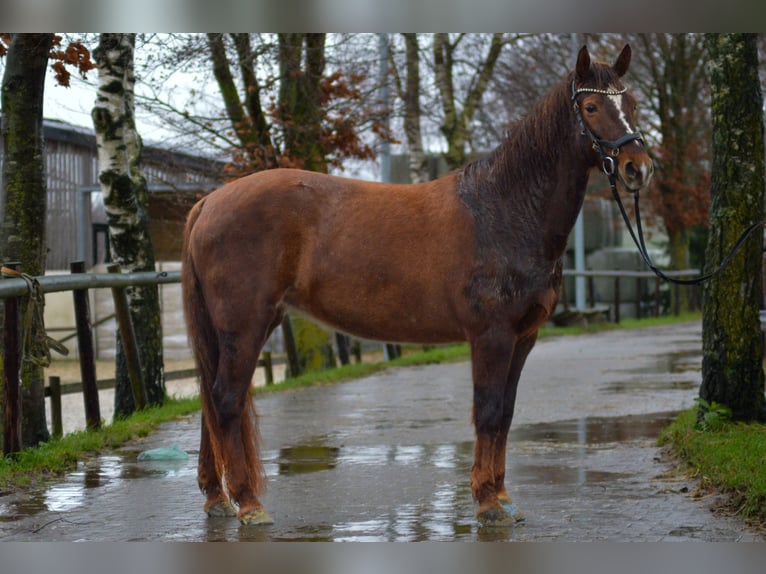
<point>608,165</point>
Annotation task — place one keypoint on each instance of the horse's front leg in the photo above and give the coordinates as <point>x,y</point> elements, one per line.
<point>491,355</point>
<point>520,352</point>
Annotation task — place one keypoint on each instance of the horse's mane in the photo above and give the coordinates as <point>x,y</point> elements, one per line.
<point>532,145</point>
<point>507,192</point>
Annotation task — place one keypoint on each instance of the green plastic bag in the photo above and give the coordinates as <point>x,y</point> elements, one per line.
<point>164,453</point>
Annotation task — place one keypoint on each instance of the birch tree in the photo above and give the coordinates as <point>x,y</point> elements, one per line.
<point>732,343</point>
<point>409,93</point>
<point>125,199</point>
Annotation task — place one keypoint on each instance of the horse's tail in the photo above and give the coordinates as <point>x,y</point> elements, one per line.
<point>203,339</point>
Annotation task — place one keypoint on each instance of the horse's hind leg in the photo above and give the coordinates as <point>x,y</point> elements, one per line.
<point>242,470</point>
<point>217,502</point>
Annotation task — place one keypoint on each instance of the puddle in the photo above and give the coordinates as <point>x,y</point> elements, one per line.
<point>677,362</point>
<point>594,430</point>
<point>315,458</point>
<point>658,385</point>
<point>301,459</point>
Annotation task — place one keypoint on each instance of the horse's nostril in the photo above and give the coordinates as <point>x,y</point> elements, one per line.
<point>631,171</point>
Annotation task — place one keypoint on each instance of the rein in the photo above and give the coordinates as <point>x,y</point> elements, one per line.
<point>609,168</point>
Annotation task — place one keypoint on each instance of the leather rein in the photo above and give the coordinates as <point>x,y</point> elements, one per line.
<point>609,168</point>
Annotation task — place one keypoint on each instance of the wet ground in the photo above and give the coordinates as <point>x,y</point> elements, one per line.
<point>388,458</point>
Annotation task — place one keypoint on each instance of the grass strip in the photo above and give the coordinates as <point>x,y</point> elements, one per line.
<point>732,459</point>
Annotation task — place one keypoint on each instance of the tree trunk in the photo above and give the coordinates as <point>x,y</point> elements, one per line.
<point>24,194</point>
<point>411,97</point>
<point>678,248</point>
<point>301,65</point>
<point>125,199</point>
<point>732,371</point>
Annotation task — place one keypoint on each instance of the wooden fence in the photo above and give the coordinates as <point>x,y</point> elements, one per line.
<point>620,277</point>
<point>14,288</point>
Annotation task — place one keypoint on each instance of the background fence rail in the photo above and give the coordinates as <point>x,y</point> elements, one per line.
<point>14,289</point>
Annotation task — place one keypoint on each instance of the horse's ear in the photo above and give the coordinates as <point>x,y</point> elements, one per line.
<point>623,61</point>
<point>583,62</point>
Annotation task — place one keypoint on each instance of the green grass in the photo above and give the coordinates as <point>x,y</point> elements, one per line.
<point>731,458</point>
<point>61,455</point>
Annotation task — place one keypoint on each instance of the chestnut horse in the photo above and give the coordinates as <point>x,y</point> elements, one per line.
<point>473,256</point>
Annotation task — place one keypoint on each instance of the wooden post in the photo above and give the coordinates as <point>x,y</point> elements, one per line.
<point>54,383</point>
<point>657,297</point>
<point>87,356</point>
<point>293,364</point>
<point>267,367</point>
<point>128,339</point>
<point>12,372</point>
<point>617,299</point>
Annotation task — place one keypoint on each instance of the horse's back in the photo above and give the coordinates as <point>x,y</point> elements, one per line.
<point>376,260</point>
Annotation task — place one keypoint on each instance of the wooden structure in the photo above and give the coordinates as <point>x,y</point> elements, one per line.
<point>176,181</point>
<point>77,226</point>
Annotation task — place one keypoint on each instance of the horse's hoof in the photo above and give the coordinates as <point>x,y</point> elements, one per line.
<point>516,513</point>
<point>500,516</point>
<point>222,509</point>
<point>257,516</point>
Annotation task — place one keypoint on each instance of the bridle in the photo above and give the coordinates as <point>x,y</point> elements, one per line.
<point>609,167</point>
<point>612,150</point>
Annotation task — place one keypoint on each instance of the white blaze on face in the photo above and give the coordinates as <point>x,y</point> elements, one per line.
<point>617,101</point>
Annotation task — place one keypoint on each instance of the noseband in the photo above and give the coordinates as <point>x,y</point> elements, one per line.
<point>609,168</point>
<point>607,150</point>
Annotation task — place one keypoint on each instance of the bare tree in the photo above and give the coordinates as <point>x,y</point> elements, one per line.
<point>459,113</point>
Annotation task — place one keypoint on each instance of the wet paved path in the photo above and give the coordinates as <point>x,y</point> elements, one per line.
<point>388,458</point>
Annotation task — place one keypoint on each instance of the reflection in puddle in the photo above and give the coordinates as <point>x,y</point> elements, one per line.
<point>91,475</point>
<point>594,430</point>
<point>678,362</point>
<point>656,385</point>
<point>300,459</point>
<point>541,455</point>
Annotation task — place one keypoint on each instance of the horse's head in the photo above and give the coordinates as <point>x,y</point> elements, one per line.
<point>606,114</point>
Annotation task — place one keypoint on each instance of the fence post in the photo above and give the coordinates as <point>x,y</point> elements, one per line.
<point>54,384</point>
<point>657,301</point>
<point>85,347</point>
<point>267,367</point>
<point>128,338</point>
<point>617,299</point>
<point>12,372</point>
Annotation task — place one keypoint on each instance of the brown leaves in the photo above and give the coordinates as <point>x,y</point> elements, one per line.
<point>74,54</point>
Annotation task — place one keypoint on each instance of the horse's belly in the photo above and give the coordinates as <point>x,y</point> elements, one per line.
<point>392,316</point>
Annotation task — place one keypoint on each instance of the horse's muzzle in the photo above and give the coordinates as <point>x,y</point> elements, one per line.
<point>635,172</point>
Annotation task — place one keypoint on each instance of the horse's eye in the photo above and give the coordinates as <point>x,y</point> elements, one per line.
<point>591,108</point>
